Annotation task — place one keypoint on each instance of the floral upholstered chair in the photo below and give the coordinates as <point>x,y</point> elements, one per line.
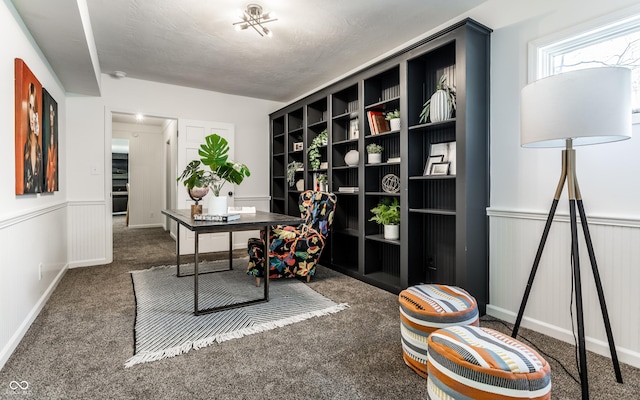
<point>295,250</point>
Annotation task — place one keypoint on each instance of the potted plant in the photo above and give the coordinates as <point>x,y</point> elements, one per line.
<point>394,120</point>
<point>387,213</point>
<point>323,182</point>
<point>292,167</point>
<point>441,105</point>
<point>374,153</point>
<point>214,155</point>
<point>314,149</point>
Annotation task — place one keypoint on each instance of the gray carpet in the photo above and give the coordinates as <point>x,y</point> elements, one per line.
<point>166,326</point>
<point>76,347</point>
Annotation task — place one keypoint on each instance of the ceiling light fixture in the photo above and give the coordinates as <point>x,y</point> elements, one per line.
<point>119,74</point>
<point>254,17</point>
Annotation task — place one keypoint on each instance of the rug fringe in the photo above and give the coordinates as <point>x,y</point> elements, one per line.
<point>199,344</point>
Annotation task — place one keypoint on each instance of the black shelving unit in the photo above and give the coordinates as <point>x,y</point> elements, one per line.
<point>119,180</point>
<point>444,227</point>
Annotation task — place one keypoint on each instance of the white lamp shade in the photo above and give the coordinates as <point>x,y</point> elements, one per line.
<point>590,106</point>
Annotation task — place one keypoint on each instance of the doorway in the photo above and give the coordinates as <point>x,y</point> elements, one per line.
<point>150,180</point>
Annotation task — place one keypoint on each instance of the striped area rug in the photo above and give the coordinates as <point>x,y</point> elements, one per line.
<point>166,327</point>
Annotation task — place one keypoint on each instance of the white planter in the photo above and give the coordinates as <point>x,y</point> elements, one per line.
<point>392,232</point>
<point>352,158</point>
<point>440,108</point>
<point>394,124</point>
<point>217,205</point>
<point>374,158</point>
<point>300,185</point>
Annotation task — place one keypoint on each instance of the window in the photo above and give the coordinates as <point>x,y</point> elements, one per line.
<point>613,40</point>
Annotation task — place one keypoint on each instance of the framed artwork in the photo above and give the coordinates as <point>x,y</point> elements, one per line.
<point>298,146</point>
<point>28,140</point>
<point>448,152</point>
<point>353,129</point>
<point>440,168</point>
<point>430,161</point>
<point>49,142</point>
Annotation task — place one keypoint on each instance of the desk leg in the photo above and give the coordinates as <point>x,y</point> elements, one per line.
<point>230,250</point>
<point>267,246</point>
<point>195,277</point>
<point>178,250</point>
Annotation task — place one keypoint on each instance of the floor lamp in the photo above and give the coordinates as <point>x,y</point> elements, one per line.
<point>583,107</point>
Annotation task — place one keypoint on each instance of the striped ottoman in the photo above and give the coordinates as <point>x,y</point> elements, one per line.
<point>467,362</point>
<point>427,308</point>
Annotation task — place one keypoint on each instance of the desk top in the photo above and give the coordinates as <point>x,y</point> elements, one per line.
<point>245,222</point>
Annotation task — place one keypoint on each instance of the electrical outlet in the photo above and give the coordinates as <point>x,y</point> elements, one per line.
<point>40,271</point>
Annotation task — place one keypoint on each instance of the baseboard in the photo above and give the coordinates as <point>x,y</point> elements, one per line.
<point>88,263</point>
<point>595,345</point>
<point>139,226</point>
<point>6,352</point>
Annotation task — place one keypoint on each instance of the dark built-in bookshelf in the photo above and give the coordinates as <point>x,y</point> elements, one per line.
<point>443,228</point>
<point>119,180</point>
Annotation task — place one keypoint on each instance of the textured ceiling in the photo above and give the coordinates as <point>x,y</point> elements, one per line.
<point>193,43</point>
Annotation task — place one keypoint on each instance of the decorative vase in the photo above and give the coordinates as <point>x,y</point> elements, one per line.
<point>374,158</point>
<point>196,194</point>
<point>440,106</point>
<point>392,232</point>
<point>323,186</point>
<point>300,185</point>
<point>352,157</point>
<point>217,205</point>
<point>394,124</point>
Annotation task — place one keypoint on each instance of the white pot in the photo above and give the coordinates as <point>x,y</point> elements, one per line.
<point>374,158</point>
<point>323,187</point>
<point>440,107</point>
<point>217,205</point>
<point>392,232</point>
<point>300,185</point>
<point>394,124</point>
<point>352,158</point>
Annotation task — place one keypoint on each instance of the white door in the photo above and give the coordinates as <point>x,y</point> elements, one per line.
<point>191,135</point>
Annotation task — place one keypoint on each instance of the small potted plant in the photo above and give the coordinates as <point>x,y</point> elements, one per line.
<point>292,168</point>
<point>323,183</point>
<point>394,120</point>
<point>214,155</point>
<point>441,105</point>
<point>387,213</point>
<point>314,149</point>
<point>374,153</point>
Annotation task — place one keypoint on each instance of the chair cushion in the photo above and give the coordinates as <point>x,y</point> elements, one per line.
<point>468,362</point>
<point>427,308</point>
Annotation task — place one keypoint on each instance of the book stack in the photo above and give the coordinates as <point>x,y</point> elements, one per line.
<point>377,122</point>
<point>216,217</point>
<point>348,189</point>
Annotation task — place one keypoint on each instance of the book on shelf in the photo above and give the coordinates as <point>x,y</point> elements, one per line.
<point>373,125</point>
<point>381,123</point>
<point>216,217</point>
<point>348,189</point>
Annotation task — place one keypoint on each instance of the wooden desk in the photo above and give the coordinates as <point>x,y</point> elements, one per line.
<point>247,222</point>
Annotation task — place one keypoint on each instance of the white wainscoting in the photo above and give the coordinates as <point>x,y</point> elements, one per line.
<point>33,259</point>
<point>514,239</point>
<point>88,234</point>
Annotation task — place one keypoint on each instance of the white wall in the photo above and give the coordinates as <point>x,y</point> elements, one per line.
<point>146,172</point>
<point>87,138</point>
<point>33,239</point>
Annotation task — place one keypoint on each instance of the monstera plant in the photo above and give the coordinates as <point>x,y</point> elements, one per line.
<point>214,155</point>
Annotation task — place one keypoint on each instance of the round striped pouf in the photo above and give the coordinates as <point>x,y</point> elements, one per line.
<point>427,308</point>
<point>467,362</point>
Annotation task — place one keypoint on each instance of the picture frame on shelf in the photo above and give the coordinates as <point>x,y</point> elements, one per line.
<point>430,161</point>
<point>354,132</point>
<point>298,146</point>
<point>448,152</point>
<point>440,168</point>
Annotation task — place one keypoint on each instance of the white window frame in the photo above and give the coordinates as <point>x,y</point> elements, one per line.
<point>541,51</point>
